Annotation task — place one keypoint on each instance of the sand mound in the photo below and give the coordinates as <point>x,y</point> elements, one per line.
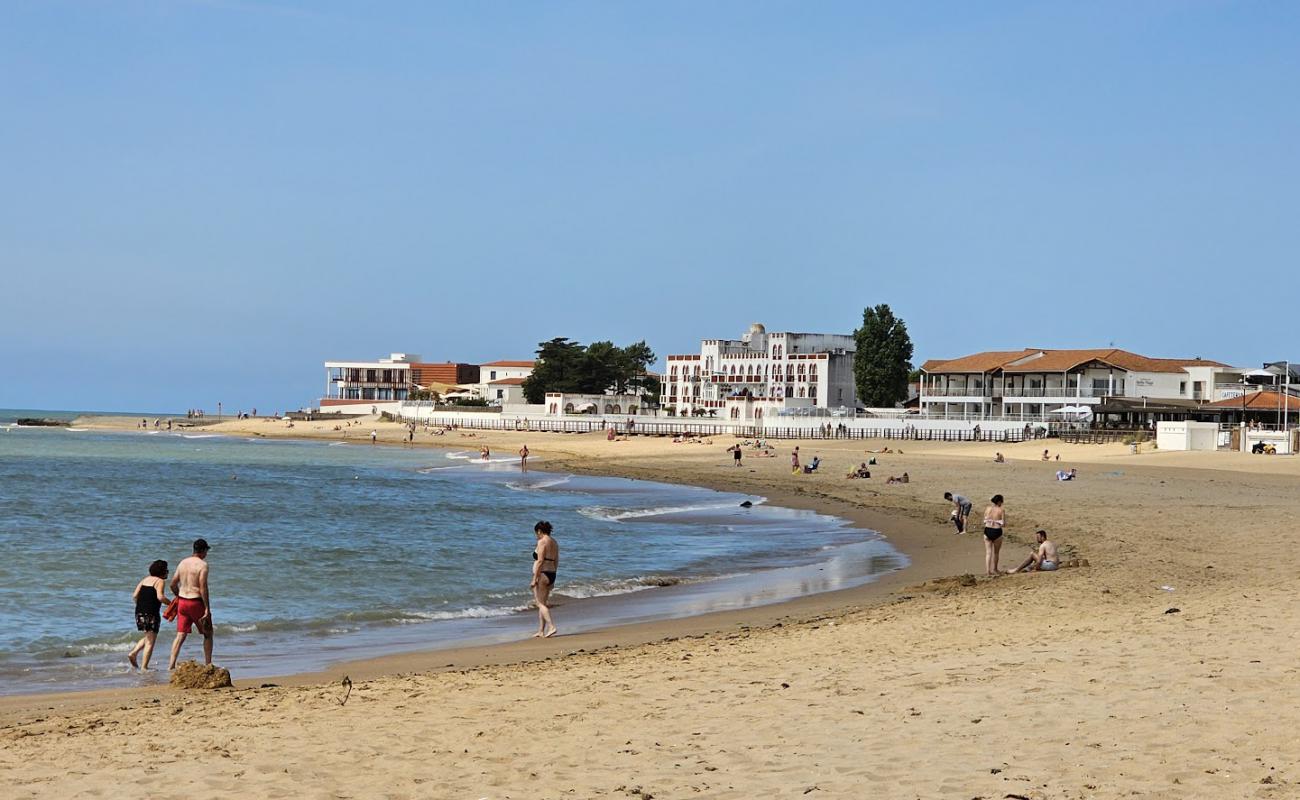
<point>189,675</point>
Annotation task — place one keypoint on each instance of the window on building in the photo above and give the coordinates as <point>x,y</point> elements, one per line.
<point>501,393</point>
<point>1182,387</point>
<point>493,375</point>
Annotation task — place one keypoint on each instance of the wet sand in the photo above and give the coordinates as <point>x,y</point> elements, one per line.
<point>1075,684</point>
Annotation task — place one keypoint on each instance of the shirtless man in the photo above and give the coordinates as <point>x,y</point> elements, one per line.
<point>1042,557</point>
<point>523,458</point>
<point>190,586</point>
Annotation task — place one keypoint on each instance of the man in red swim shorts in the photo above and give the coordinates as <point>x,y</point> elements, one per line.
<point>190,586</point>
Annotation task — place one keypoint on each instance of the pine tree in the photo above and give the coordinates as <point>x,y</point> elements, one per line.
<point>883,359</point>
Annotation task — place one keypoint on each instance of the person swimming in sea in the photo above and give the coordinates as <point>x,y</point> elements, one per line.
<point>546,561</point>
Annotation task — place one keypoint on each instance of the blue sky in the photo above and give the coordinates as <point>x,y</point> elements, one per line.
<point>204,200</point>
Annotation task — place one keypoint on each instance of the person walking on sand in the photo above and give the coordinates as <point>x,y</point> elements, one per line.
<point>960,511</point>
<point>995,518</point>
<point>149,595</point>
<point>735,454</point>
<point>374,436</point>
<point>523,458</point>
<point>194,607</point>
<point>546,560</point>
<point>794,460</point>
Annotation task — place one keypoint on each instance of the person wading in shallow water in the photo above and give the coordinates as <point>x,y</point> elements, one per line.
<point>190,586</point>
<point>546,560</point>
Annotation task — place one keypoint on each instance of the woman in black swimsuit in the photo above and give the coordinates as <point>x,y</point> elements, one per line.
<point>995,518</point>
<point>150,593</point>
<point>546,560</point>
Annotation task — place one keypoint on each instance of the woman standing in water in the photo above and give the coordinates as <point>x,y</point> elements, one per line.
<point>149,595</point>
<point>546,560</point>
<point>995,517</point>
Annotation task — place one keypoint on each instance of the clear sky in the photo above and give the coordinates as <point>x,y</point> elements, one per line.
<point>202,201</point>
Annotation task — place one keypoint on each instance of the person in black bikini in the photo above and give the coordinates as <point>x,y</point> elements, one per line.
<point>150,593</point>
<point>546,560</point>
<point>995,519</point>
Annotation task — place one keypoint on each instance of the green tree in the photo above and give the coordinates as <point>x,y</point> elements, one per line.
<point>559,369</point>
<point>883,359</point>
<point>567,366</point>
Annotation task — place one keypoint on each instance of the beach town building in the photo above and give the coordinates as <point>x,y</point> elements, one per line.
<point>501,383</point>
<point>762,374</point>
<point>1037,384</point>
<point>389,380</point>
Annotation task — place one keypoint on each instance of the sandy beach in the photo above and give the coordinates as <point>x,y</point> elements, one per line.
<point>1164,668</point>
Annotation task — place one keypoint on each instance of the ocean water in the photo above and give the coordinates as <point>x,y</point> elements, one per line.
<point>323,552</point>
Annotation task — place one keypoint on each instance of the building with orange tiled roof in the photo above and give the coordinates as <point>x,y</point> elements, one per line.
<point>502,382</point>
<point>1041,384</point>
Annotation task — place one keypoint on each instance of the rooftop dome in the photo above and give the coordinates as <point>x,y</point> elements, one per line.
<point>757,327</point>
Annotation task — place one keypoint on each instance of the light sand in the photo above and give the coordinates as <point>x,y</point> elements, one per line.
<point>1068,685</point>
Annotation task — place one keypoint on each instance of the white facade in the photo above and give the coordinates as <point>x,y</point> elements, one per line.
<point>560,403</point>
<point>761,372</point>
<point>360,382</point>
<point>501,382</point>
<point>1187,435</point>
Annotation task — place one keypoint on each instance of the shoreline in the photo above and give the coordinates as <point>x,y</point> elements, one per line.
<point>1155,672</point>
<point>927,556</point>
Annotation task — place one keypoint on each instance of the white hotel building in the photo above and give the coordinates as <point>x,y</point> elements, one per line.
<point>762,374</point>
<point>1037,384</point>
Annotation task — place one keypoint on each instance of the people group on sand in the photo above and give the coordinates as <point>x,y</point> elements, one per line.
<point>190,607</point>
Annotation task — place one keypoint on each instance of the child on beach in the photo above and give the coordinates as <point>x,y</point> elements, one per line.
<point>149,595</point>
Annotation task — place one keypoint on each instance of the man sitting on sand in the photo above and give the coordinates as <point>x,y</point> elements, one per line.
<point>1062,475</point>
<point>1041,558</point>
<point>998,458</point>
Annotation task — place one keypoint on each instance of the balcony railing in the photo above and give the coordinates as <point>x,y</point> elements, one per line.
<point>1064,392</point>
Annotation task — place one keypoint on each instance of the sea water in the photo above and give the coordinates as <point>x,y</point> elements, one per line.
<point>323,552</point>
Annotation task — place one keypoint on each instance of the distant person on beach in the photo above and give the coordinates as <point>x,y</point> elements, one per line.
<point>735,454</point>
<point>523,457</point>
<point>998,458</point>
<point>149,595</point>
<point>794,460</point>
<point>960,511</point>
<point>546,560</point>
<point>193,606</point>
<point>995,518</point>
<point>1045,456</point>
<point>374,436</point>
<point>1062,475</point>
<point>1041,557</point>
